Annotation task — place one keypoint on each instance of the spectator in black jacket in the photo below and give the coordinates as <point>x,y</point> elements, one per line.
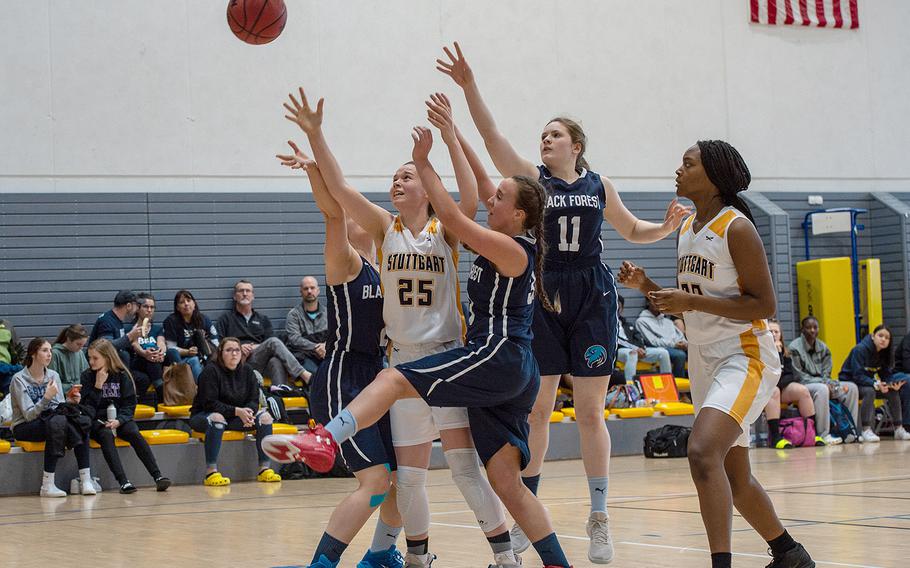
<point>108,389</point>
<point>871,366</point>
<point>261,349</point>
<point>109,325</point>
<point>902,355</point>
<point>788,390</point>
<point>228,399</point>
<point>188,332</point>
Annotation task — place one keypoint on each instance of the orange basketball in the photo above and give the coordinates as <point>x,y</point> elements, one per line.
<point>257,21</point>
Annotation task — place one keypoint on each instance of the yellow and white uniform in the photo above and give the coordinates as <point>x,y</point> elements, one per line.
<point>733,364</point>
<point>422,313</point>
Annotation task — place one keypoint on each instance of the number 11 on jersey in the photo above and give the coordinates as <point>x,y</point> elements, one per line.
<point>570,243</point>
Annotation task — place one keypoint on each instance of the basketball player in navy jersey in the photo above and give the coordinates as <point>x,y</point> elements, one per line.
<point>579,338</point>
<point>724,294</point>
<point>495,374</point>
<point>353,359</point>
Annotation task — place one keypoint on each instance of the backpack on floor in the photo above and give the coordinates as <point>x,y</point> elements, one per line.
<point>842,424</point>
<point>799,431</point>
<point>667,442</point>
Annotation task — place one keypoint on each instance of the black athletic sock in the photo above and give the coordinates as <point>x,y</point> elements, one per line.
<point>418,546</point>
<point>500,542</point>
<point>531,482</point>
<point>781,544</point>
<point>773,431</point>
<point>721,559</point>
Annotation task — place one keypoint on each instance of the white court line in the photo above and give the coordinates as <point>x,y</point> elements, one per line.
<point>679,548</point>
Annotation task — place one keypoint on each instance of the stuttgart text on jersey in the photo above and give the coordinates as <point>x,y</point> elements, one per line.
<point>698,265</point>
<point>416,261</point>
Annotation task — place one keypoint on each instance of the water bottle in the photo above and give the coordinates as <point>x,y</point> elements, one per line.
<point>111,415</point>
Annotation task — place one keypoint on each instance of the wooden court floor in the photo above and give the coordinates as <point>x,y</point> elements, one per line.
<point>850,506</point>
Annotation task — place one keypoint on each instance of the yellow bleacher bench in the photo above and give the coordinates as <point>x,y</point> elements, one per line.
<point>118,443</point>
<point>638,412</point>
<point>281,428</point>
<point>556,416</point>
<point>675,408</point>
<point>143,411</point>
<point>5,447</point>
<point>30,446</point>
<point>182,411</point>
<point>165,436</point>
<point>682,384</point>
<point>295,402</point>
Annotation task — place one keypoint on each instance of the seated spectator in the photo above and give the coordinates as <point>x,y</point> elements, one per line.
<point>631,348</point>
<point>149,350</point>
<point>68,358</point>
<point>109,325</point>
<point>107,383</point>
<point>307,326</point>
<point>658,330</point>
<point>788,391</point>
<point>261,349</point>
<point>185,330</point>
<point>9,357</point>
<point>812,365</point>
<point>228,399</point>
<point>36,396</point>
<point>871,366</point>
<point>902,355</point>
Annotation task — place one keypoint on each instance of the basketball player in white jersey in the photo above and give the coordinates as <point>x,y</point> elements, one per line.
<point>724,294</point>
<point>418,269</point>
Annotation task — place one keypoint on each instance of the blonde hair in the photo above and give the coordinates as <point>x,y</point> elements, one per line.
<point>112,359</point>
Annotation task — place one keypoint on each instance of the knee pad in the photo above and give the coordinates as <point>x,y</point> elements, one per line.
<point>411,483</point>
<point>478,493</point>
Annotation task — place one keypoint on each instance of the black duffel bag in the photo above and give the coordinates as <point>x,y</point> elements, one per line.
<point>667,442</point>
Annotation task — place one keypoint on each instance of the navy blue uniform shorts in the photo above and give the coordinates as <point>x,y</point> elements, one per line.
<point>581,337</point>
<point>340,377</point>
<point>496,379</point>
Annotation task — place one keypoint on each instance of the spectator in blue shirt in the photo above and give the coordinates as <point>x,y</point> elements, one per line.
<point>109,325</point>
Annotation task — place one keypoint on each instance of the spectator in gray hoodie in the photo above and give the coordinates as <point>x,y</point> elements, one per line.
<point>307,326</point>
<point>36,393</point>
<point>659,330</point>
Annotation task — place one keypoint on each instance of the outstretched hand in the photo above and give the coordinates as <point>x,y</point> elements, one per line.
<point>302,115</point>
<point>676,212</point>
<point>296,161</point>
<point>632,276</point>
<point>456,67</point>
<point>439,113</point>
<point>423,141</point>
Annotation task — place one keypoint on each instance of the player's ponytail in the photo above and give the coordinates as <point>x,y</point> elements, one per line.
<point>532,199</point>
<point>577,134</point>
<point>728,172</point>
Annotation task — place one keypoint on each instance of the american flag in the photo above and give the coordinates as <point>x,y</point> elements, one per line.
<point>818,13</point>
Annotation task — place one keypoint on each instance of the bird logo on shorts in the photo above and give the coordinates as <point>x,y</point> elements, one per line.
<point>595,356</point>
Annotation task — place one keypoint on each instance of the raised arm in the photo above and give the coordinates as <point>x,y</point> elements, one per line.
<point>505,158</point>
<point>500,249</point>
<point>485,186</point>
<point>439,114</point>
<point>373,218</point>
<point>634,229</point>
<point>342,263</point>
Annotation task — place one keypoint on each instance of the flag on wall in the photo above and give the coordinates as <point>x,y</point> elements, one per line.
<point>818,13</point>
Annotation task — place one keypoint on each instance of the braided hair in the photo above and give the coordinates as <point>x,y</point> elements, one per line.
<point>532,199</point>
<point>728,172</point>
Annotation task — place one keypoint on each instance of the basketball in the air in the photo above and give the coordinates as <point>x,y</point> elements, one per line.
<point>257,21</point>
